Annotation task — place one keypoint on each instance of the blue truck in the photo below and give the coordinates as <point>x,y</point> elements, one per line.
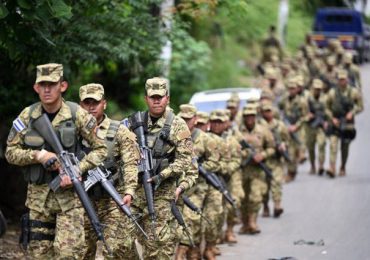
<point>348,26</point>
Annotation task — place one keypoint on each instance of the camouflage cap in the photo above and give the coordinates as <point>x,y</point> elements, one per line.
<point>218,114</point>
<point>235,97</point>
<point>299,79</point>
<point>156,86</point>
<point>187,111</point>
<point>232,103</point>
<point>347,57</point>
<point>202,117</point>
<point>267,105</point>
<point>51,72</point>
<point>266,95</point>
<point>253,100</point>
<point>317,84</point>
<point>250,109</point>
<point>331,60</point>
<point>342,74</point>
<point>92,90</point>
<point>292,83</point>
<point>270,73</point>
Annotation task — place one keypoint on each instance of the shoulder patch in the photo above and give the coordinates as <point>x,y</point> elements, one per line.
<point>12,134</point>
<point>183,134</point>
<point>18,125</point>
<point>91,123</point>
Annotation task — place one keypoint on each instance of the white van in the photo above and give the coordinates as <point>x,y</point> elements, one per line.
<point>209,100</point>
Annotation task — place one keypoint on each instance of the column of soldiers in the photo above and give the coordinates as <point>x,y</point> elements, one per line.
<point>227,163</point>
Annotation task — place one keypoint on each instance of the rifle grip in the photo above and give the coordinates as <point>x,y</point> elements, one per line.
<point>54,185</point>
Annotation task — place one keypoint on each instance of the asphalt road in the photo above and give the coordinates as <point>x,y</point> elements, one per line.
<point>318,209</point>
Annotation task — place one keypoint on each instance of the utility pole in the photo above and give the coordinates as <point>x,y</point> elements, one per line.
<point>167,7</point>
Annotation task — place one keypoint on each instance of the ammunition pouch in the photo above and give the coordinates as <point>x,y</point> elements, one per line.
<point>27,235</point>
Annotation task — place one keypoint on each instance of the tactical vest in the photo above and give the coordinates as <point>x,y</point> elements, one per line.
<point>342,104</point>
<point>35,173</point>
<point>111,163</point>
<point>160,144</point>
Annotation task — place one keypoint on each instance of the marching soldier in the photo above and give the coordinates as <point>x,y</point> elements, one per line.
<point>55,219</point>
<point>121,161</point>
<point>254,178</point>
<point>205,149</point>
<point>316,125</point>
<point>276,162</point>
<point>343,103</point>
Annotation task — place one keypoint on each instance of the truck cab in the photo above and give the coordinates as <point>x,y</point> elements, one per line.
<point>346,25</point>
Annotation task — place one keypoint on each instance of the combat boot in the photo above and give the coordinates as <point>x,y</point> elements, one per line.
<point>194,253</point>
<point>245,226</point>
<point>291,176</point>
<point>266,210</point>
<point>342,172</point>
<point>253,228</point>
<point>229,235</point>
<point>208,252</point>
<point>278,210</point>
<point>216,250</point>
<point>331,171</point>
<point>181,252</point>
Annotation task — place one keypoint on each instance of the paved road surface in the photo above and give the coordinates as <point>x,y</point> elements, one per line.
<point>336,211</point>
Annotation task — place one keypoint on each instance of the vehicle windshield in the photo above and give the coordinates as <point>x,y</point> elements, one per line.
<point>209,106</point>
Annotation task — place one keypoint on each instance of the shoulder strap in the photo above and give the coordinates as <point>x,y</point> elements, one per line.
<point>73,107</point>
<point>195,134</point>
<point>109,141</point>
<point>32,108</point>
<point>163,136</point>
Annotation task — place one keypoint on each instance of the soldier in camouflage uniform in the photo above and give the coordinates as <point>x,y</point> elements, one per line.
<point>56,219</point>
<point>214,206</point>
<point>316,124</point>
<point>352,69</point>
<point>343,103</point>
<point>206,151</point>
<point>277,161</point>
<point>234,182</point>
<point>176,172</point>
<point>254,179</point>
<point>122,159</point>
<point>294,110</point>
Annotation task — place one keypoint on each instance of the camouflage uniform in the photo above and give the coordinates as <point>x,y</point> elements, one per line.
<point>125,155</point>
<point>254,179</point>
<point>205,150</point>
<point>294,110</point>
<point>61,209</point>
<point>352,70</point>
<point>276,163</point>
<point>179,147</point>
<point>335,109</point>
<point>213,209</point>
<point>316,134</point>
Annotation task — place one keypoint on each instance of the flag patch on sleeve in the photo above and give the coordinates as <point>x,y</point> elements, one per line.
<point>18,125</point>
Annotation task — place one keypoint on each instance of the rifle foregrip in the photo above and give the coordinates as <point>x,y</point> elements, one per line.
<point>190,204</point>
<point>54,185</point>
<point>177,214</point>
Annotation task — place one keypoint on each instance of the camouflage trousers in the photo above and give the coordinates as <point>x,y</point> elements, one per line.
<point>255,188</point>
<point>235,186</point>
<point>276,183</point>
<point>195,223</point>
<point>344,147</point>
<point>69,240</point>
<point>213,209</point>
<point>294,150</point>
<point>117,232</point>
<point>314,136</point>
<point>161,245</point>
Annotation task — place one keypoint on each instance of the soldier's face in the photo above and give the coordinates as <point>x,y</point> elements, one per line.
<point>233,111</point>
<point>267,114</point>
<point>293,91</point>
<point>157,104</point>
<point>217,126</point>
<point>249,120</point>
<point>94,107</point>
<point>190,122</point>
<point>342,82</point>
<point>203,127</point>
<point>50,92</point>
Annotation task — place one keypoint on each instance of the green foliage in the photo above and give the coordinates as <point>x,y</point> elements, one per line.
<point>189,65</point>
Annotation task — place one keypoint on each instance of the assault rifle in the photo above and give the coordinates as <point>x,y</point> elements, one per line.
<point>178,216</point>
<point>69,166</point>
<point>145,165</point>
<point>194,208</point>
<point>213,180</point>
<point>262,165</point>
<point>101,175</point>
